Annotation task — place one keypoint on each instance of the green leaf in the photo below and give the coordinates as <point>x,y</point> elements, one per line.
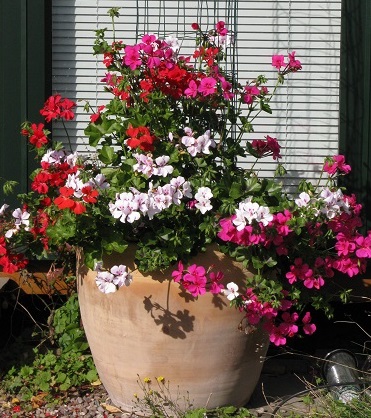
<point>280,170</point>
<point>274,187</point>
<point>114,12</point>
<point>8,186</point>
<point>235,191</point>
<point>96,131</point>
<point>63,229</point>
<point>265,107</point>
<point>252,185</point>
<point>110,246</point>
<point>92,375</point>
<point>108,155</point>
<point>91,255</point>
<point>61,377</point>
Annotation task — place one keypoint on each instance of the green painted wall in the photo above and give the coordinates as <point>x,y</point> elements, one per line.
<point>25,79</point>
<point>355,99</point>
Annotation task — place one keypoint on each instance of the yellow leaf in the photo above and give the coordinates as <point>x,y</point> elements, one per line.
<point>110,408</point>
<point>15,400</point>
<point>96,383</point>
<point>38,400</point>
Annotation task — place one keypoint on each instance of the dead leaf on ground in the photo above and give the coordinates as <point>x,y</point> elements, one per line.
<point>96,383</point>
<point>38,400</point>
<point>110,408</point>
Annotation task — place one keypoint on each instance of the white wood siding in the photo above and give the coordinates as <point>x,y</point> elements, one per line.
<point>306,110</point>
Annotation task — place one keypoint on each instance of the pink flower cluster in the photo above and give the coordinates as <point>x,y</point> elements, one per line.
<point>336,164</point>
<point>291,65</point>
<point>197,280</point>
<point>164,69</point>
<point>305,244</point>
<point>279,322</point>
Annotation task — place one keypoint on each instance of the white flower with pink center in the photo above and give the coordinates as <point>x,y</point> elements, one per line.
<point>248,212</point>
<point>121,276</point>
<point>125,208</point>
<point>104,281</point>
<point>231,291</point>
<point>203,196</point>
<point>302,200</point>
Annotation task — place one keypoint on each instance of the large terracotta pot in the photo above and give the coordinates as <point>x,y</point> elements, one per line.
<point>152,328</point>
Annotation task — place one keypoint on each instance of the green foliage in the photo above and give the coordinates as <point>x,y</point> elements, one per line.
<point>222,412</point>
<point>54,370</point>
<point>8,186</point>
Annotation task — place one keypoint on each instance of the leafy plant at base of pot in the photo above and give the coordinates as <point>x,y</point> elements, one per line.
<point>166,176</point>
<point>54,371</point>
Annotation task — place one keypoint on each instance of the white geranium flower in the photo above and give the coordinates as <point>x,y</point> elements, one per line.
<point>99,182</point>
<point>231,291</point>
<point>53,156</point>
<point>21,218</point>
<point>121,276</point>
<point>173,42</point>
<point>303,200</point>
<point>249,211</point>
<point>204,143</point>
<point>203,196</point>
<point>263,215</point>
<point>104,281</point>
<point>3,209</point>
<point>10,232</point>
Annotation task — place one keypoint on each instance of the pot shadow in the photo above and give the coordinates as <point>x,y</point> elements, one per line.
<point>177,324</point>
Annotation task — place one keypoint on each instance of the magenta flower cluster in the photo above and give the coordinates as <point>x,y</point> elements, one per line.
<point>305,244</point>
<point>197,280</point>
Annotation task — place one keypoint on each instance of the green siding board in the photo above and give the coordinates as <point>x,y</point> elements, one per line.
<point>24,81</point>
<point>12,107</point>
<point>355,97</point>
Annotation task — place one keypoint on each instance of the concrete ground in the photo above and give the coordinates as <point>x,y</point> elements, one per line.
<point>283,377</point>
<point>291,370</point>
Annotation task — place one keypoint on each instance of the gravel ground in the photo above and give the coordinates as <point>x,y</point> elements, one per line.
<point>89,404</point>
<point>94,404</point>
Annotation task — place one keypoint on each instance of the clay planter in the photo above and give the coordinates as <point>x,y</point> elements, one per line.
<point>152,328</point>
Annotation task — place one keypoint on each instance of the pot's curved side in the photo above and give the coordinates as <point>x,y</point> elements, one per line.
<point>152,329</point>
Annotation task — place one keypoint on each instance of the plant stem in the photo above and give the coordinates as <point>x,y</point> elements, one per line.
<point>68,137</point>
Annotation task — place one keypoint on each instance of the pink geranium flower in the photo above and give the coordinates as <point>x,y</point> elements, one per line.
<point>207,86</point>
<point>308,328</point>
<point>336,164</point>
<point>192,89</point>
<point>278,61</point>
<point>132,58</point>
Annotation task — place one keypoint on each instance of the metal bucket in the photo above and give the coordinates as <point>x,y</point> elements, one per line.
<point>340,366</point>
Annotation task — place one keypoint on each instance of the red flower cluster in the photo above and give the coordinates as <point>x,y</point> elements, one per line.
<point>140,137</point>
<point>68,200</point>
<point>57,107</point>
<point>265,148</point>
<point>52,176</point>
<point>163,70</point>
<point>36,134</point>
<point>10,261</point>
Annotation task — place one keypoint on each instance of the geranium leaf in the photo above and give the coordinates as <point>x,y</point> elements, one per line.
<point>108,155</point>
